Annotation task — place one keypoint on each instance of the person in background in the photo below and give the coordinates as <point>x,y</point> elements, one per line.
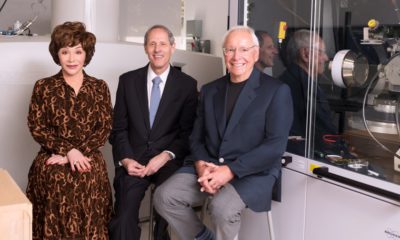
<point>70,116</point>
<point>302,55</point>
<point>268,52</point>
<point>237,142</point>
<point>154,114</point>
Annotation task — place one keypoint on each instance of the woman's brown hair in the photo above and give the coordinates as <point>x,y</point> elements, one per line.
<point>70,34</point>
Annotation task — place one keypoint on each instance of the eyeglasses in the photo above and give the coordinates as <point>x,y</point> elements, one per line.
<point>241,50</point>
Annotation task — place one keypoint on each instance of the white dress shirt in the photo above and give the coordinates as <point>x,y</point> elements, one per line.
<point>150,76</point>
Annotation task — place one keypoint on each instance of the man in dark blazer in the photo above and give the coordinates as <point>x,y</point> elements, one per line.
<point>238,139</point>
<point>149,146</point>
<point>302,57</point>
<point>268,52</point>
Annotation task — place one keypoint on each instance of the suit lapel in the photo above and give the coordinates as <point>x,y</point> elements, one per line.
<point>244,100</point>
<point>219,106</point>
<point>141,92</point>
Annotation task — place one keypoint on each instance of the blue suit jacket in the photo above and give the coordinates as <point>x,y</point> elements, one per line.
<point>253,141</point>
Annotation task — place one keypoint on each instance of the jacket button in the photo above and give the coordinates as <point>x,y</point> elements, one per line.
<point>221,160</point>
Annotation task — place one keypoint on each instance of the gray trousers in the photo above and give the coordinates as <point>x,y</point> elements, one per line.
<point>174,200</point>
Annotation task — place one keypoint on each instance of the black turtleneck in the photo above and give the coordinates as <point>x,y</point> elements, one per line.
<point>233,92</point>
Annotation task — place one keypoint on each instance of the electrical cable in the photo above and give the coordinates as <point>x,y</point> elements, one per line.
<point>2,6</point>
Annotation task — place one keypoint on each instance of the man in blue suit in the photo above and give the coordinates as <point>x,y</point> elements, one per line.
<point>237,142</point>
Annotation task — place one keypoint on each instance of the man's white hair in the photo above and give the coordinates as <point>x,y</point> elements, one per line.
<point>242,29</point>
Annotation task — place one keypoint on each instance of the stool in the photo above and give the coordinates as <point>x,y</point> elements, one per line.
<point>270,226</point>
<point>269,219</point>
<point>203,212</point>
<point>271,233</point>
<point>150,218</point>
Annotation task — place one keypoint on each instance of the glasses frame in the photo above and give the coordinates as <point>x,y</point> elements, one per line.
<point>240,50</point>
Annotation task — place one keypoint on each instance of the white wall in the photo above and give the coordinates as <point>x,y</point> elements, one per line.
<point>130,21</point>
<point>24,10</point>
<point>138,15</point>
<point>99,16</point>
<point>53,12</point>
<point>28,60</point>
<point>214,15</point>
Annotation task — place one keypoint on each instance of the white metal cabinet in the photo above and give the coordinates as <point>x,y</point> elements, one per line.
<point>288,215</point>
<point>334,212</point>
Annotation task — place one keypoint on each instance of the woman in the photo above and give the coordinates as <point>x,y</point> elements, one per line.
<point>70,116</point>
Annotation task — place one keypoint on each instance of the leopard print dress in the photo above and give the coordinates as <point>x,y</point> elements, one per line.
<point>66,204</point>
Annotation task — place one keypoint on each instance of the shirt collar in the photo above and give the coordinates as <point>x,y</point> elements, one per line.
<point>151,74</point>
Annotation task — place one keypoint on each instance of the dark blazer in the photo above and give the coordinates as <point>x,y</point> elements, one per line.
<point>297,79</point>
<point>253,141</point>
<point>131,136</point>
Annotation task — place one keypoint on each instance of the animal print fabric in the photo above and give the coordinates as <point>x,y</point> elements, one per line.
<point>66,204</point>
